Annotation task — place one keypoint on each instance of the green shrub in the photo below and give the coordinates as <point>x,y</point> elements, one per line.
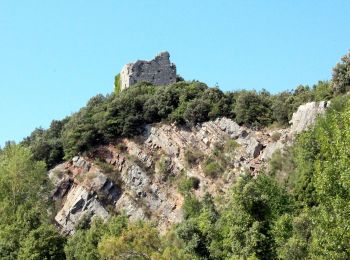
<point>193,157</point>
<point>105,167</point>
<point>44,242</point>
<point>231,146</point>
<point>212,169</point>
<point>253,108</point>
<point>112,173</point>
<point>117,84</point>
<point>339,103</point>
<point>323,91</point>
<point>84,222</point>
<point>164,166</point>
<point>341,75</point>
<point>218,149</point>
<point>187,184</point>
<point>282,165</point>
<point>191,206</point>
<point>276,136</point>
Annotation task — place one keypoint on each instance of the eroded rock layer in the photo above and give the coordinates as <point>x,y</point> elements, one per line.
<point>140,177</point>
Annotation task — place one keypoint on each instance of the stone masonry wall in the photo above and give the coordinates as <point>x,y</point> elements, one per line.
<point>159,71</point>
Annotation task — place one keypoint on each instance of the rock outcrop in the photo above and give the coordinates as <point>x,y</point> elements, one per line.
<point>83,191</point>
<point>140,177</point>
<point>159,71</point>
<point>306,115</point>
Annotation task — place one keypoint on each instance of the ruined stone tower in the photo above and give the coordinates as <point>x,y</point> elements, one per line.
<point>159,71</point>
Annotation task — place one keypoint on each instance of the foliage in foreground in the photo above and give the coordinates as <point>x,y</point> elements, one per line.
<point>25,231</point>
<point>298,209</point>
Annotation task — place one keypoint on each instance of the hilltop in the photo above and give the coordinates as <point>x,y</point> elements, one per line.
<point>179,170</point>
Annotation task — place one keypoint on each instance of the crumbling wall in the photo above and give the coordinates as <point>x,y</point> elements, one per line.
<point>159,71</point>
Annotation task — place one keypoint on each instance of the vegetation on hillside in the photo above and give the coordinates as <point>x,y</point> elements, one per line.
<point>267,217</point>
<point>298,209</point>
<point>106,118</point>
<point>117,86</point>
<point>25,228</point>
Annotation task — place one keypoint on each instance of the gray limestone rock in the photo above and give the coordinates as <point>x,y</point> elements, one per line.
<point>254,147</point>
<point>271,148</point>
<point>84,198</point>
<point>306,115</point>
<point>229,126</point>
<point>79,203</point>
<point>57,174</point>
<point>80,162</point>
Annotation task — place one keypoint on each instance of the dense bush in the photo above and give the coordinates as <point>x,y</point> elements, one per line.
<point>117,84</point>
<point>212,168</point>
<point>253,108</point>
<point>106,118</point>
<point>46,145</point>
<point>323,183</point>
<point>44,242</point>
<point>186,184</point>
<point>341,75</point>
<point>24,229</point>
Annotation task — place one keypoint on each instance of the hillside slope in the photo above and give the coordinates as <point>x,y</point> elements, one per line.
<point>145,176</point>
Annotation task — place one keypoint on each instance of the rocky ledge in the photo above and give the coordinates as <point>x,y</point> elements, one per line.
<point>140,177</point>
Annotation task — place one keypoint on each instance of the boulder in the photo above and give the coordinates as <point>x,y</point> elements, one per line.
<point>306,115</point>
<point>79,203</point>
<point>270,149</point>
<point>253,147</point>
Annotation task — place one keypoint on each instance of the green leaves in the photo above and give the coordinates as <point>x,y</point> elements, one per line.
<point>43,243</point>
<point>21,178</point>
<point>23,207</point>
<point>245,225</point>
<point>137,241</point>
<point>320,227</point>
<point>341,75</point>
<point>253,109</point>
<point>117,84</point>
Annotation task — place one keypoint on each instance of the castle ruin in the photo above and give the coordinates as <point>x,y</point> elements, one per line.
<point>159,71</point>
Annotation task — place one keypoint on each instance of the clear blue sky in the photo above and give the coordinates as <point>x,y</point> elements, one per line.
<point>55,55</point>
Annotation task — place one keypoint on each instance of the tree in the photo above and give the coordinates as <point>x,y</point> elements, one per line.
<point>253,109</point>
<point>196,112</point>
<point>86,127</point>
<point>138,241</point>
<point>292,235</point>
<point>323,91</point>
<point>282,107</point>
<point>23,194</point>
<point>320,228</point>
<point>341,75</point>
<point>21,178</point>
<point>43,243</point>
<point>84,243</point>
<point>330,236</point>
<point>198,231</point>
<point>245,225</point>
<point>117,84</point>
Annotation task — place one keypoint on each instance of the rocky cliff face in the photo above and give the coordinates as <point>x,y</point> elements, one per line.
<point>140,176</point>
<point>306,115</point>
